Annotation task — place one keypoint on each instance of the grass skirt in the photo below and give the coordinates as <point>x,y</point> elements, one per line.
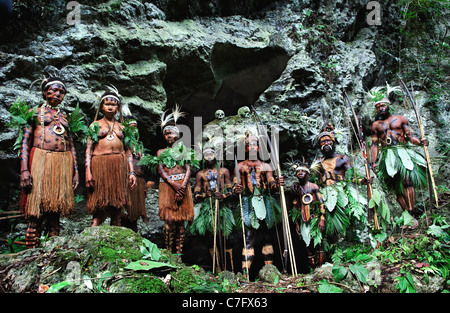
<point>172,211</point>
<point>110,174</point>
<point>52,190</point>
<point>136,209</point>
<point>399,164</point>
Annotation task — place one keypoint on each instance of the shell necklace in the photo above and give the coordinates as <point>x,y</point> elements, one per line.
<point>110,135</point>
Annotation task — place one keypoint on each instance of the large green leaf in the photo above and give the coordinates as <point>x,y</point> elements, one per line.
<point>406,159</point>
<point>305,229</point>
<point>150,250</point>
<point>58,286</point>
<point>339,272</point>
<point>342,199</point>
<point>325,287</point>
<point>330,197</point>
<point>360,271</point>
<point>390,163</point>
<point>358,196</point>
<point>384,212</point>
<point>417,157</point>
<point>258,205</point>
<point>147,265</point>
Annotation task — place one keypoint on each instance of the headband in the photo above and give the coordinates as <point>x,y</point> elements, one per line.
<point>299,168</point>
<point>171,127</point>
<point>210,150</point>
<point>55,82</point>
<point>109,96</point>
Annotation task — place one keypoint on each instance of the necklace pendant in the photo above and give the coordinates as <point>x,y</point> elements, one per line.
<point>59,129</point>
<point>110,137</point>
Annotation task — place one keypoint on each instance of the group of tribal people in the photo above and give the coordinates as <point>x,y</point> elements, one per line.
<point>49,176</point>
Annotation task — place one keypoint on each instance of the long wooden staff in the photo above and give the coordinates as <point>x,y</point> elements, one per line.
<point>213,220</point>
<point>216,225</point>
<point>285,217</point>
<point>431,188</point>
<point>219,229</point>
<point>363,146</point>
<point>238,181</point>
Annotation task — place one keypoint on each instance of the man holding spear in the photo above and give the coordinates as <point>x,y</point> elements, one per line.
<point>213,181</point>
<point>253,180</point>
<point>399,166</point>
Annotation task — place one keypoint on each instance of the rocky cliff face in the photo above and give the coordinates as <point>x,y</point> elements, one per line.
<point>204,55</point>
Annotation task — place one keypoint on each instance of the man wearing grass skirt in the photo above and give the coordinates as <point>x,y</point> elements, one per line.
<point>401,168</point>
<point>344,204</point>
<point>260,210</point>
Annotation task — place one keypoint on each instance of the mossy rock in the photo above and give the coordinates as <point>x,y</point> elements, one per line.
<point>186,278</point>
<point>269,273</point>
<point>139,284</point>
<point>107,247</point>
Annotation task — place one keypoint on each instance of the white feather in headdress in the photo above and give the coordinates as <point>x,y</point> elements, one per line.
<point>164,119</point>
<point>177,113</point>
<point>126,111</point>
<point>382,92</point>
<point>316,166</point>
<point>113,89</point>
<point>397,90</point>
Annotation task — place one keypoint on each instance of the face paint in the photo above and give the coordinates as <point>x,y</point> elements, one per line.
<point>209,156</point>
<point>55,93</point>
<point>252,146</point>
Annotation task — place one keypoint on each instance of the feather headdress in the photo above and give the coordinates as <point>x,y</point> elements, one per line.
<point>298,165</point>
<point>169,121</point>
<point>381,93</point>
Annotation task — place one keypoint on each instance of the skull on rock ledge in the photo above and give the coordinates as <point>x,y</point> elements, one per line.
<point>275,110</point>
<point>220,115</point>
<point>244,112</point>
<point>296,114</point>
<point>285,112</point>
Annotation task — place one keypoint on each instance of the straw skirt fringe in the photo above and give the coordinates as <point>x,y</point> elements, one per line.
<point>52,190</point>
<point>110,174</point>
<point>137,201</point>
<point>171,211</point>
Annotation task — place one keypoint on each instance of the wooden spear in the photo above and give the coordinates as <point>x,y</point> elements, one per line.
<point>238,180</point>
<point>363,146</point>
<point>285,218</point>
<point>425,149</point>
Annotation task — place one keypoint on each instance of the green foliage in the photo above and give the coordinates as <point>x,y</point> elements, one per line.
<point>147,265</point>
<point>203,221</point>
<point>179,154</point>
<point>58,286</point>
<point>265,201</point>
<point>151,256</point>
<point>392,169</point>
<point>326,287</point>
<point>405,282</point>
<point>21,116</point>
<point>93,131</point>
<point>131,138</point>
<point>360,271</point>
<point>150,250</point>
<point>77,125</point>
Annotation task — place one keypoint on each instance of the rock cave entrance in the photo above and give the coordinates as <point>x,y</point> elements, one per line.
<point>236,77</point>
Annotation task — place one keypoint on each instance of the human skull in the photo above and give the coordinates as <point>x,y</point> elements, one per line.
<point>296,114</point>
<point>285,112</point>
<point>220,115</point>
<point>275,110</point>
<point>244,112</point>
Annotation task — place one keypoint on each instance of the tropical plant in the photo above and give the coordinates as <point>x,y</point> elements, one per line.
<point>21,116</point>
